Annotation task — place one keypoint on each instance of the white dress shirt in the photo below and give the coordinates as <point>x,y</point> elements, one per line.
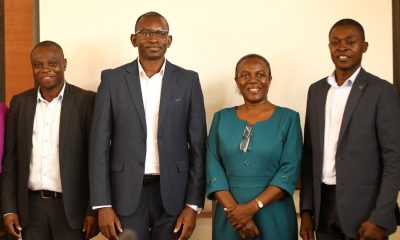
<point>335,104</point>
<point>44,168</point>
<point>151,93</point>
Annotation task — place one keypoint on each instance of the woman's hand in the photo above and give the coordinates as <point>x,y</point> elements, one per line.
<point>241,214</point>
<point>250,229</point>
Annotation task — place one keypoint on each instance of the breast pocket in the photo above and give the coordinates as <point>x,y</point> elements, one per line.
<point>177,108</point>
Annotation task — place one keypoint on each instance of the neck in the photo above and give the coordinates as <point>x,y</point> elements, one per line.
<point>342,75</point>
<point>151,67</point>
<point>256,107</point>
<point>50,94</point>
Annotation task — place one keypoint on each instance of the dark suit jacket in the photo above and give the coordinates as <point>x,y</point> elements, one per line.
<point>76,112</point>
<point>367,157</point>
<point>118,140</point>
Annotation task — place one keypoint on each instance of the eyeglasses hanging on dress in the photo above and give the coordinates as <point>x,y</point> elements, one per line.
<point>244,144</point>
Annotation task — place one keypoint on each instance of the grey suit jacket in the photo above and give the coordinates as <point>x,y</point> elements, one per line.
<point>118,140</point>
<point>367,157</point>
<point>76,113</point>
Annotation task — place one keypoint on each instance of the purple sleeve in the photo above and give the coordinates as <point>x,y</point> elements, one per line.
<point>3,114</point>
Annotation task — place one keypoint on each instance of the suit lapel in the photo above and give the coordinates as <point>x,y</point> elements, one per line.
<point>133,82</point>
<point>67,106</point>
<point>358,88</point>
<point>321,104</point>
<point>30,118</point>
<point>168,83</point>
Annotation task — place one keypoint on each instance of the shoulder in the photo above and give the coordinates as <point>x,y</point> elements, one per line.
<point>225,111</point>
<point>31,93</point>
<point>180,70</point>
<point>79,91</point>
<point>121,69</point>
<point>286,112</point>
<point>318,83</point>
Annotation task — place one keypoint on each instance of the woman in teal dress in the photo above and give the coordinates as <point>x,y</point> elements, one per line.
<point>253,160</point>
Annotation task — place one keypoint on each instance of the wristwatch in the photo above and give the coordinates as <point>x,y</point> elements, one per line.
<point>259,203</point>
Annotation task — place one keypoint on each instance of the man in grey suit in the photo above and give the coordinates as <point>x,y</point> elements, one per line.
<point>45,188</point>
<point>351,161</point>
<point>147,145</point>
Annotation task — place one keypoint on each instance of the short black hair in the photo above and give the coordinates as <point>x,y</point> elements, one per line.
<point>150,14</point>
<point>253,55</point>
<point>49,43</point>
<point>349,22</point>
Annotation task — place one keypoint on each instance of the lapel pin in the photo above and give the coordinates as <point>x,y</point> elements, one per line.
<point>361,87</point>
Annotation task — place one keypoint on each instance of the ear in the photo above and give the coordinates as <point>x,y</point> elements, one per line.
<point>365,47</point>
<point>169,39</point>
<point>134,40</point>
<point>65,64</point>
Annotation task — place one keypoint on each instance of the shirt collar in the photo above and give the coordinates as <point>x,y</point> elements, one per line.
<point>142,73</point>
<point>331,79</point>
<point>60,95</point>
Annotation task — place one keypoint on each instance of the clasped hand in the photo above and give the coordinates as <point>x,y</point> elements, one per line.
<point>241,217</point>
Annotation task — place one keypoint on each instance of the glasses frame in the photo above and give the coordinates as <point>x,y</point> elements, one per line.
<point>159,34</point>
<point>244,144</point>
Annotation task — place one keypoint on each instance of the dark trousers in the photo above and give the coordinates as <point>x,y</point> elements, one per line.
<point>329,226</point>
<point>47,221</point>
<point>150,221</point>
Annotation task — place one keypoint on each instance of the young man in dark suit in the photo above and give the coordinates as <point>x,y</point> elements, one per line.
<point>45,188</point>
<point>351,161</point>
<point>147,151</point>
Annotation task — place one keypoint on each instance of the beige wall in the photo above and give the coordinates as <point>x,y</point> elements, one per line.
<point>211,35</point>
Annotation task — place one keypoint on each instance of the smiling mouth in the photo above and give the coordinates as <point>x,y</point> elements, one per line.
<point>253,89</point>
<point>343,57</point>
<point>46,77</point>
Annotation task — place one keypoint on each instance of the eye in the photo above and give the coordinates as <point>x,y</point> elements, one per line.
<point>334,43</point>
<point>244,75</point>
<point>146,34</point>
<point>351,42</point>
<point>53,64</point>
<point>161,34</point>
<point>36,65</point>
<point>261,75</point>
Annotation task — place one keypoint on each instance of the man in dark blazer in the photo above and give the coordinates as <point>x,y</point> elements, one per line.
<point>351,162</point>
<point>45,188</point>
<point>147,145</point>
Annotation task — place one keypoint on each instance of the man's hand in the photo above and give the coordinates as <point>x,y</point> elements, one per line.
<point>13,227</point>
<point>370,231</point>
<point>241,214</point>
<point>187,218</point>
<point>108,221</point>
<point>250,229</point>
<point>307,226</point>
<point>90,227</point>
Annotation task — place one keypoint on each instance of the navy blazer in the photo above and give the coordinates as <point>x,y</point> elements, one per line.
<point>118,140</point>
<point>367,157</point>
<point>76,114</point>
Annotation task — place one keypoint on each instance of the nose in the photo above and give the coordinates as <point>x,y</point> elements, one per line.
<point>343,45</point>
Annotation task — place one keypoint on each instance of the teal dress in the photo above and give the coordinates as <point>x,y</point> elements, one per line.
<point>272,159</point>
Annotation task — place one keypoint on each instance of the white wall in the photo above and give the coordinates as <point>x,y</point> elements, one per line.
<point>209,36</point>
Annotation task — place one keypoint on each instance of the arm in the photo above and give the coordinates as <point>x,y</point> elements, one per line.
<point>306,191</point>
<point>99,158</point>
<point>90,224</point>
<point>388,132</point>
<point>10,174</point>
<point>217,181</point>
<point>196,183</point>
<point>3,115</point>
